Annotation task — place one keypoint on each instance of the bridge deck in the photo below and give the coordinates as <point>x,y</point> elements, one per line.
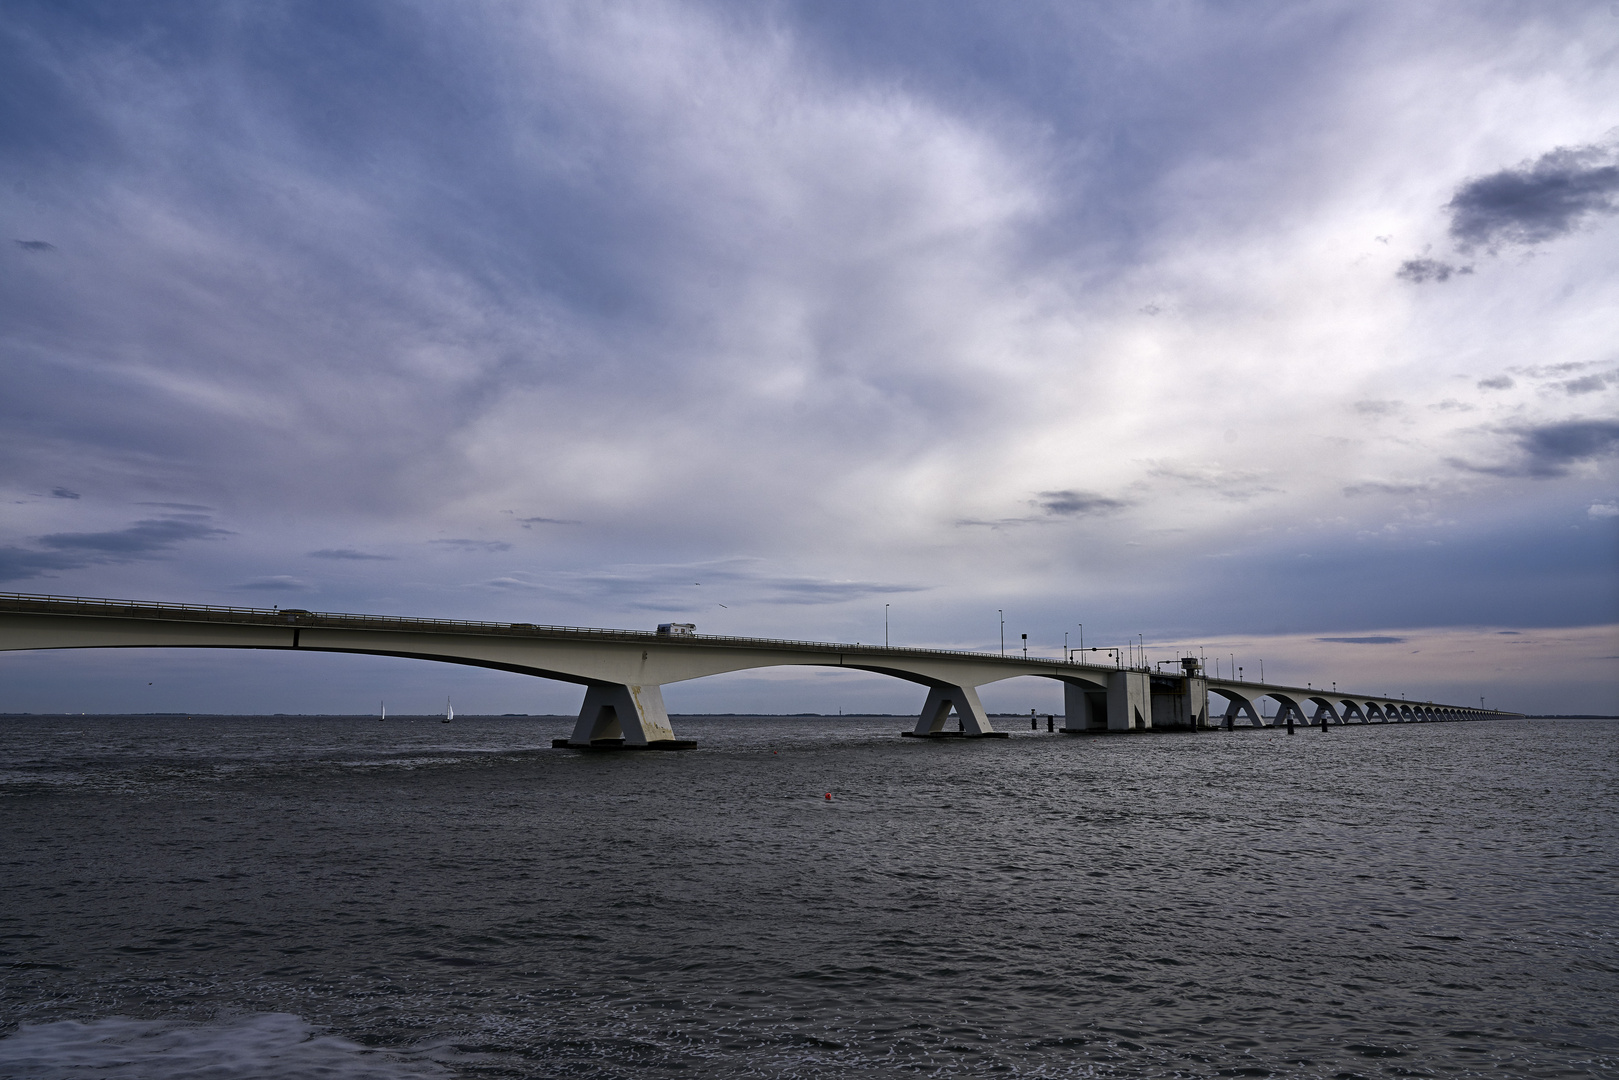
<point>871,657</point>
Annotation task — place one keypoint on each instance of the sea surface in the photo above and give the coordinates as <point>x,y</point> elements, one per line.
<point>338,897</point>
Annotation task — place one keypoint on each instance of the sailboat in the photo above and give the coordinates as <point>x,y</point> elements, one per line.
<point>384,714</point>
<point>449,713</point>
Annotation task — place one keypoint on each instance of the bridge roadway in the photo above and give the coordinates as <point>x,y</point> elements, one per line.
<point>624,671</point>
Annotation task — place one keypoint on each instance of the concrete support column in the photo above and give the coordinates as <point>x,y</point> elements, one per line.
<point>1197,701</point>
<point>1236,707</point>
<point>1291,711</point>
<point>964,700</point>
<point>1080,711</point>
<point>620,714</point>
<point>1129,701</point>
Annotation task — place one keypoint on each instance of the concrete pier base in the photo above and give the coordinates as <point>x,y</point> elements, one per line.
<point>620,744</point>
<point>619,716</point>
<point>969,711</point>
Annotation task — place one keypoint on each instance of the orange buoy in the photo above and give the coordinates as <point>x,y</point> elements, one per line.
<point>829,795</point>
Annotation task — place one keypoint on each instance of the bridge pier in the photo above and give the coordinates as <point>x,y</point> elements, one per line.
<point>618,716</point>
<point>936,713</point>
<point>1084,707</point>
<point>1129,701</point>
<point>1237,707</point>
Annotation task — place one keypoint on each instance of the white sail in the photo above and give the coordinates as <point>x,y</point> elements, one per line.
<point>449,713</point>
<point>384,714</point>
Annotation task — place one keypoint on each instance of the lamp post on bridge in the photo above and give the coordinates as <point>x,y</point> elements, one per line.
<point>1025,646</point>
<point>1002,614</point>
<point>885,626</point>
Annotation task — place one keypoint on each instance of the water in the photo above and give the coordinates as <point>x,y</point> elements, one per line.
<point>288,896</point>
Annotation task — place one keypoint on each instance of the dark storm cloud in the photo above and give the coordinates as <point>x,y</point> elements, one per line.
<point>1420,270</point>
<point>1588,384</point>
<point>1378,408</point>
<point>695,586</point>
<point>152,538</point>
<point>348,553</point>
<point>473,545</point>
<point>801,590</point>
<point>1381,487</point>
<point>1375,640</point>
<point>1077,503</point>
<point>148,537</point>
<point>17,563</point>
<point>1548,450</point>
<point>36,245</point>
<point>1552,448</point>
<point>1537,201</point>
<point>278,583</point>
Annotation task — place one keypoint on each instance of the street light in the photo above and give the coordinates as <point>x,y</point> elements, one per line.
<point>1025,646</point>
<point>885,626</point>
<point>1003,630</point>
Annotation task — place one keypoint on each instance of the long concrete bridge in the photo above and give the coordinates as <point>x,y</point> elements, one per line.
<point>624,671</point>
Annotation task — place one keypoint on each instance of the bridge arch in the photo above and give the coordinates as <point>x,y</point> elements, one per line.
<point>623,671</point>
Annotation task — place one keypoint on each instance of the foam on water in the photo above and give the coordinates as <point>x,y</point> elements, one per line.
<point>267,1046</point>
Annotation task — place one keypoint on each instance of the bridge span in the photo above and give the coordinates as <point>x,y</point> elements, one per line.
<point>624,671</point>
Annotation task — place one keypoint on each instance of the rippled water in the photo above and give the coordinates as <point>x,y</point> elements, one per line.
<point>326,896</point>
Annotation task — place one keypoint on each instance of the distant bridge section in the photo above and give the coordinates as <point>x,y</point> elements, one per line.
<point>624,671</point>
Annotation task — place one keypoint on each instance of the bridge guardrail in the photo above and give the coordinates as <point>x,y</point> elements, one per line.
<point>299,617</point>
<point>102,606</point>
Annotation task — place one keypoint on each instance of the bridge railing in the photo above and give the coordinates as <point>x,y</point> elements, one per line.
<point>95,605</point>
<point>300,617</point>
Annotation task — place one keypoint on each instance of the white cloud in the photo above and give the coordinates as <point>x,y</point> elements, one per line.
<point>700,286</point>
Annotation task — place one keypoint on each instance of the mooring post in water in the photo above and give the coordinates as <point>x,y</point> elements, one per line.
<point>1289,709</point>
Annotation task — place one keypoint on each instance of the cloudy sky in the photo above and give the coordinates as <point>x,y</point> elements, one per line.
<point>1287,331</point>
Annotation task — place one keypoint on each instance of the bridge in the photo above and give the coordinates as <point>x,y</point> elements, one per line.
<point>624,671</point>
